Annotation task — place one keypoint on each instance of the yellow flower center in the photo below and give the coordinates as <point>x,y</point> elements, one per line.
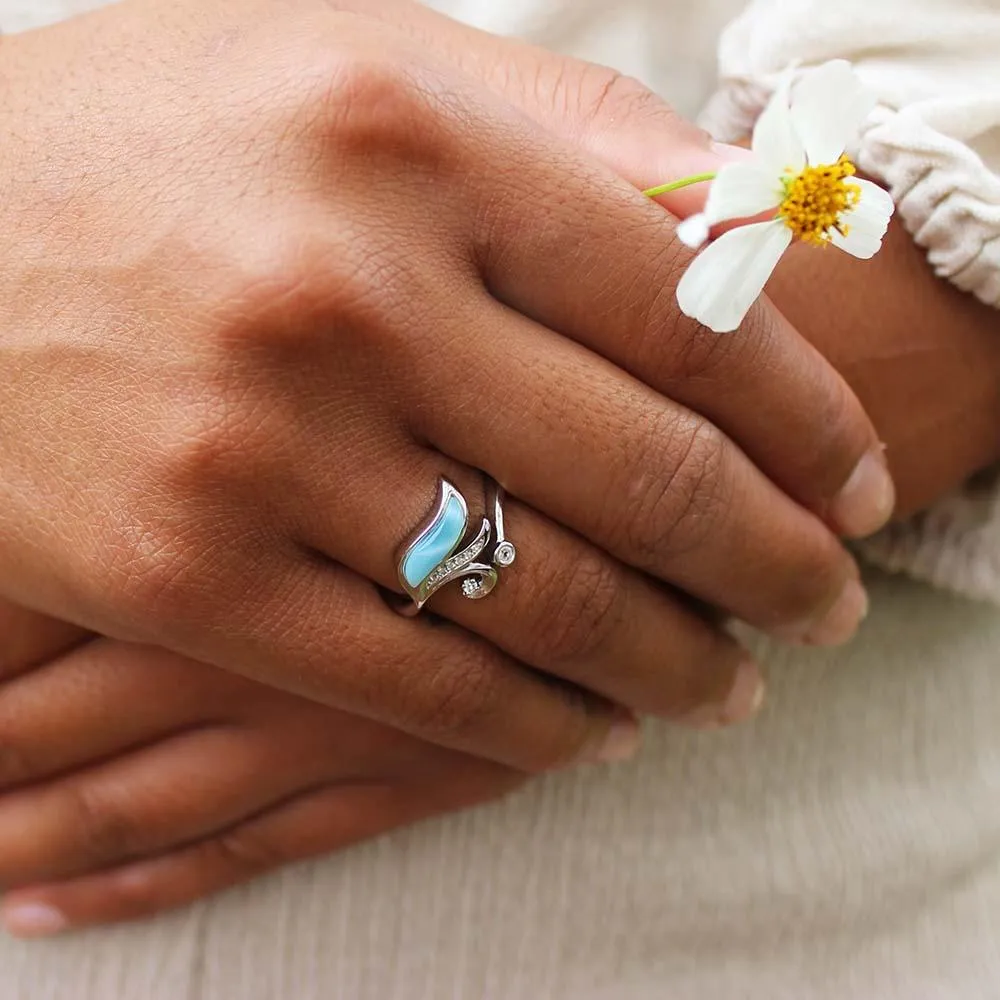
<point>816,200</point>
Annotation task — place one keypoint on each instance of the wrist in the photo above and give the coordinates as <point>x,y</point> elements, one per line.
<point>923,358</point>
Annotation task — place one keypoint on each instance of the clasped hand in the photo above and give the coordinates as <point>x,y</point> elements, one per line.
<point>271,270</point>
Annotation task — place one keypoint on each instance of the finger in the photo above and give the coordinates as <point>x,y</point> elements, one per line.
<point>942,349</point>
<point>569,609</point>
<point>640,476</point>
<point>28,638</point>
<point>315,823</point>
<point>56,717</point>
<point>318,630</point>
<point>565,607</point>
<point>151,799</point>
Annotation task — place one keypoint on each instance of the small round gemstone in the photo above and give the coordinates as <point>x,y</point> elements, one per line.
<point>471,587</point>
<point>504,554</point>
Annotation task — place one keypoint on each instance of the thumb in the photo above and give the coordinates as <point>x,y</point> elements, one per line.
<point>622,123</point>
<point>613,117</point>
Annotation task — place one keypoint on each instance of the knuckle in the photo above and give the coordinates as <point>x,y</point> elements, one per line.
<point>248,852</point>
<point>692,352</point>
<point>201,447</point>
<point>579,607</point>
<point>368,103</point>
<point>458,697</point>
<point>674,504</point>
<point>136,893</point>
<point>671,350</point>
<point>216,438</point>
<point>17,765</point>
<point>346,85</point>
<point>276,283</point>
<point>368,288</point>
<point>282,286</point>
<point>102,829</point>
<point>284,295</point>
<point>606,94</point>
<point>173,537</point>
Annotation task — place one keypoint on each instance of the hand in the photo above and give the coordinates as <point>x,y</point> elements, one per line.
<point>284,266</point>
<point>923,357</point>
<point>133,780</point>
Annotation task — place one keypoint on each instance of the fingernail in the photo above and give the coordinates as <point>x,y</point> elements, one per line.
<point>729,152</point>
<point>743,701</point>
<point>842,620</point>
<point>867,499</point>
<point>838,624</point>
<point>746,695</point>
<point>622,740</point>
<point>28,920</point>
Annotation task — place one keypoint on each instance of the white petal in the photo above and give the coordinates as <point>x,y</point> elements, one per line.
<point>867,222</point>
<point>693,231</point>
<point>741,190</point>
<point>776,144</point>
<point>725,279</point>
<point>829,106</point>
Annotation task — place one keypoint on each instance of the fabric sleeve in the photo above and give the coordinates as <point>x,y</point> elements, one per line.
<point>934,141</point>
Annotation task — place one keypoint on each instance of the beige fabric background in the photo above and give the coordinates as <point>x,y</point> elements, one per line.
<point>847,845</point>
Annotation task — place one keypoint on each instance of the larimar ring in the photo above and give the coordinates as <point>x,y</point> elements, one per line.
<point>431,558</point>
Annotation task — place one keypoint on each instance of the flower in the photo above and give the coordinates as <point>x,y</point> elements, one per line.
<point>798,168</point>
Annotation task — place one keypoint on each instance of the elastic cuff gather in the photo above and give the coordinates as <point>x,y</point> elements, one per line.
<point>954,545</point>
<point>946,196</point>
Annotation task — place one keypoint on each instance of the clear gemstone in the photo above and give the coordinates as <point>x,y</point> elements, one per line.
<point>471,587</point>
<point>504,554</point>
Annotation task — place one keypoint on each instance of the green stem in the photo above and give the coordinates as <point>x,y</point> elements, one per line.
<point>684,182</point>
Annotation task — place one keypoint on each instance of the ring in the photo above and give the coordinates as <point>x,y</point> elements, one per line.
<point>429,560</point>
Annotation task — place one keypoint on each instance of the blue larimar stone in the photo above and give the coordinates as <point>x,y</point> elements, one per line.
<point>436,543</point>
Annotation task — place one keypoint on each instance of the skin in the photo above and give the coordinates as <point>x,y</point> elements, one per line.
<point>285,265</point>
<point>205,780</point>
<point>109,824</point>
<point>96,822</point>
<point>922,356</point>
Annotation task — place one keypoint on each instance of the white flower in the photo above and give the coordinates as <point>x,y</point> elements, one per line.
<point>799,169</point>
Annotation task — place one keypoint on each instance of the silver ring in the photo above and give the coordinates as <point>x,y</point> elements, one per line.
<point>431,558</point>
